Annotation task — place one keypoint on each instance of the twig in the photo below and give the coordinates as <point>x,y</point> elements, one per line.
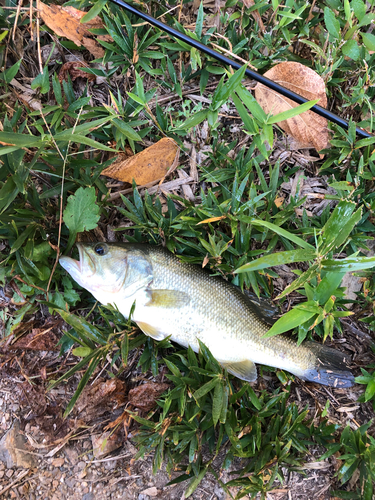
<point>16,19</point>
<point>38,38</point>
<point>20,476</point>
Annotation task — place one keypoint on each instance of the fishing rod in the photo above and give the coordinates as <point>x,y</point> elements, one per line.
<point>250,73</point>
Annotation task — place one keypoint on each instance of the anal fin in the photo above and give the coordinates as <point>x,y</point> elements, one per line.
<point>167,298</point>
<point>245,370</point>
<point>151,331</point>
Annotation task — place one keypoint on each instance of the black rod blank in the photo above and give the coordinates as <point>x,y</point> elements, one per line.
<point>250,73</point>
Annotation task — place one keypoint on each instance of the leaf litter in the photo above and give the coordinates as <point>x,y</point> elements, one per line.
<point>309,129</point>
<point>149,166</point>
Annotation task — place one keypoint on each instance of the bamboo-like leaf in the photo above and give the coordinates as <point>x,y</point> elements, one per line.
<point>207,387</point>
<point>348,265</point>
<point>277,259</point>
<point>282,232</point>
<point>217,402</point>
<point>290,320</point>
<point>290,113</point>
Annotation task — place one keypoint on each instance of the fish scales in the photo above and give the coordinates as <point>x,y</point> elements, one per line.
<point>217,309</point>
<point>185,302</point>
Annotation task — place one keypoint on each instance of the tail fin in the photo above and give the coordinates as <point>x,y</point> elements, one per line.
<point>330,367</point>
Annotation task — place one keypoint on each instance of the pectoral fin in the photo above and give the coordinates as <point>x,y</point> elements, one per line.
<point>245,370</point>
<point>167,298</point>
<point>151,331</point>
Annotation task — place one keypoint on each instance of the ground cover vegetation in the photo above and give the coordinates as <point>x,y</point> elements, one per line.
<point>255,200</point>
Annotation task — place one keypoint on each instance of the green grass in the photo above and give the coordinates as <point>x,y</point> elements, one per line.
<point>51,163</point>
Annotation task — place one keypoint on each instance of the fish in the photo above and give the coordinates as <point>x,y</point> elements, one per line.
<point>188,304</point>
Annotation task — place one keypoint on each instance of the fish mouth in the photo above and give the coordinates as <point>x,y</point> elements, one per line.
<point>79,267</point>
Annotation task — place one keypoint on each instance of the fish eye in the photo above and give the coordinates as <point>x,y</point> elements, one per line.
<point>101,248</point>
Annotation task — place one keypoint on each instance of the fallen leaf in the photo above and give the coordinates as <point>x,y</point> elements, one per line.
<point>107,442</point>
<point>72,68</point>
<point>38,339</point>
<point>144,396</point>
<point>279,201</point>
<point>100,397</point>
<point>65,21</point>
<point>309,129</point>
<point>151,164</point>
<point>212,219</point>
<point>255,14</point>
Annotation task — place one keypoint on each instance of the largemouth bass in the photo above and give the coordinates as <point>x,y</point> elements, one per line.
<point>185,302</point>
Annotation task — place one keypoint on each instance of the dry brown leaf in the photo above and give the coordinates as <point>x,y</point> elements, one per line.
<point>38,339</point>
<point>255,14</point>
<point>144,396</point>
<point>100,397</point>
<point>72,68</point>
<point>308,128</point>
<point>65,21</point>
<point>149,165</point>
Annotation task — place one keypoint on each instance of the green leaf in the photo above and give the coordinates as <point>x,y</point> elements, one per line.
<point>251,103</point>
<point>351,49</point>
<point>285,115</point>
<point>126,130</point>
<point>339,226</point>
<point>223,93</point>
<point>331,22</point>
<point>342,186</point>
<point>81,212</point>
<point>8,193</point>
<point>207,387</point>
<point>81,352</point>
<point>306,276</point>
<point>195,482</point>
<point>20,140</point>
<point>81,139</point>
<point>8,75</point>
<point>369,40</point>
<point>217,402</point>
<point>194,120</point>
<point>199,21</point>
<point>290,320</point>
<point>41,81</point>
<point>348,265</point>
<point>125,349</point>
<point>370,390</point>
<point>282,232</point>
<point>277,259</point>
<point>93,363</point>
<point>94,11</point>
<point>87,332</point>
<point>359,8</point>
<point>328,286</point>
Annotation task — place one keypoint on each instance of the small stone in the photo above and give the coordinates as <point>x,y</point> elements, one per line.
<point>71,454</point>
<point>13,449</point>
<point>81,465</point>
<point>9,473</point>
<point>151,492</point>
<point>58,462</point>
<point>82,474</point>
<point>88,496</point>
